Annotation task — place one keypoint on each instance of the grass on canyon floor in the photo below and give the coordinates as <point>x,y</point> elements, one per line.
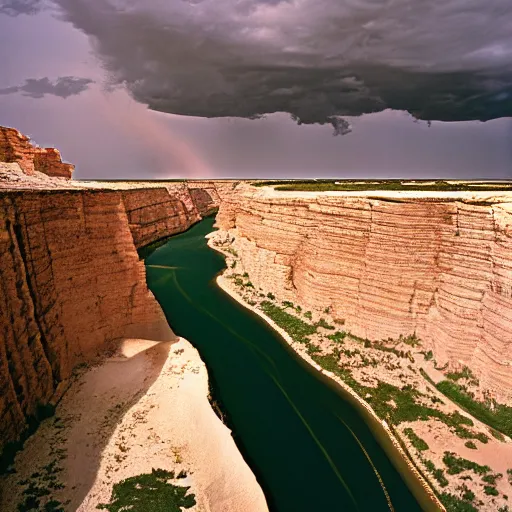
<point>389,402</point>
<point>497,416</point>
<point>150,492</point>
<point>392,185</point>
<point>295,327</point>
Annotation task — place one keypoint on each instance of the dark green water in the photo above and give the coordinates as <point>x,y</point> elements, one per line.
<point>302,440</point>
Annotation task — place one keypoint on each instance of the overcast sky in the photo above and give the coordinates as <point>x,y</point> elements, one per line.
<point>80,76</point>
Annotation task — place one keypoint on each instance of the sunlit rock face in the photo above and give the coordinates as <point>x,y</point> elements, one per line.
<point>15,147</point>
<point>439,267</point>
<point>72,282</point>
<point>316,60</point>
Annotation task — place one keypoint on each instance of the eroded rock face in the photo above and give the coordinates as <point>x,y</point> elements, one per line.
<point>439,267</point>
<point>71,283</point>
<point>156,213</point>
<point>15,147</point>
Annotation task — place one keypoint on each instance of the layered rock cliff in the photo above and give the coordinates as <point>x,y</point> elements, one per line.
<point>438,266</point>
<point>15,147</point>
<point>71,283</point>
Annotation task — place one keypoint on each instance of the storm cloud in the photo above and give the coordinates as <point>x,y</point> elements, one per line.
<point>63,87</point>
<point>317,60</point>
<point>17,7</point>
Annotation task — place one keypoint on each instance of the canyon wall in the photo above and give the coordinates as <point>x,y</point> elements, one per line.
<point>71,283</point>
<point>15,147</point>
<point>438,267</point>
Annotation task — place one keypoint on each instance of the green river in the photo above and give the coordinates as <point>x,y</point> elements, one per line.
<point>308,447</point>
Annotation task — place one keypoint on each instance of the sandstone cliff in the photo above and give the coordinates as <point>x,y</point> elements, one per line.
<point>15,147</point>
<point>71,283</point>
<point>439,266</point>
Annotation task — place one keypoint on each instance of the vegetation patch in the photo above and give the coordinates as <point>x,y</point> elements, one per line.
<point>150,492</point>
<point>338,336</point>
<point>358,186</point>
<point>499,417</point>
<point>295,327</point>
<point>395,404</point>
<point>465,373</point>
<point>490,490</point>
<point>491,478</point>
<point>324,324</point>
<point>470,444</point>
<point>416,441</point>
<point>454,504</point>
<point>437,473</point>
<point>457,465</point>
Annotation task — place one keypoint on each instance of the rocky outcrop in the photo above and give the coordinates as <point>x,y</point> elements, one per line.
<point>15,147</point>
<point>439,267</point>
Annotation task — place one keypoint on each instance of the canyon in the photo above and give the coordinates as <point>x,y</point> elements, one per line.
<point>383,265</point>
<point>390,264</point>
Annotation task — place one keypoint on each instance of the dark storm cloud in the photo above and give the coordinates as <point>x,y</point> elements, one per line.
<point>17,7</point>
<point>63,87</point>
<point>315,59</point>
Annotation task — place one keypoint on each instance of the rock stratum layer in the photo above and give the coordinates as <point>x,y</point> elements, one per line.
<point>71,283</point>
<point>439,266</point>
<point>71,279</point>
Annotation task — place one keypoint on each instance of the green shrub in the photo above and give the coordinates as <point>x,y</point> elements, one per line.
<point>428,355</point>
<point>324,324</point>
<point>491,478</point>
<point>465,373</point>
<point>457,465</point>
<point>470,444</point>
<point>148,493</point>
<point>468,495</point>
<point>416,441</point>
<point>338,336</point>
<point>454,504</point>
<point>490,490</point>
<point>271,296</point>
<point>497,435</point>
<point>411,340</point>
<point>308,315</point>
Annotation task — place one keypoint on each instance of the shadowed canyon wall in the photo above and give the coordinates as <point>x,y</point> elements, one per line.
<point>441,268</point>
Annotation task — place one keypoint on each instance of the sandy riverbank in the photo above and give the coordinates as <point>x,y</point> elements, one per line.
<point>145,406</point>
